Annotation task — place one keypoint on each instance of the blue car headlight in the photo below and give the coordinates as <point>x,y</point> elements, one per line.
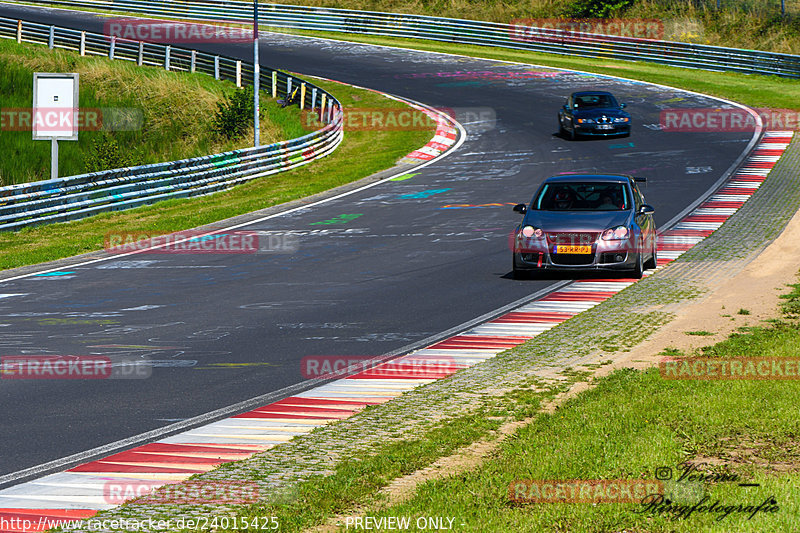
<point>621,119</point>
<point>585,121</point>
<point>616,234</point>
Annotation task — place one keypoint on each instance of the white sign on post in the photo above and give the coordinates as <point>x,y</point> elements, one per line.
<point>55,111</point>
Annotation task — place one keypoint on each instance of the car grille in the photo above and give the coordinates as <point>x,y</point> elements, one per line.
<point>573,238</point>
<point>572,259</point>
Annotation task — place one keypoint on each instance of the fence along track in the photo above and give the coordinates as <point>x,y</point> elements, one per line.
<point>461,31</point>
<point>75,197</point>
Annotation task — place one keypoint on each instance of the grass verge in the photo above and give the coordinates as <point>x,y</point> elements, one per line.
<point>144,115</point>
<point>639,425</point>
<point>360,154</point>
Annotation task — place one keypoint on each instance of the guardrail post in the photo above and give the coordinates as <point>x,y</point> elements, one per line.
<point>140,57</point>
<point>302,95</point>
<point>313,98</point>
<point>216,67</point>
<point>19,31</point>
<point>274,84</point>
<point>112,47</point>
<point>194,61</point>
<point>238,73</point>
<point>166,57</point>
<point>83,43</point>
<point>51,39</point>
<point>322,108</point>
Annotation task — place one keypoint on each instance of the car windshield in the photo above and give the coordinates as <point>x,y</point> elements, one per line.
<point>595,100</point>
<point>582,197</point>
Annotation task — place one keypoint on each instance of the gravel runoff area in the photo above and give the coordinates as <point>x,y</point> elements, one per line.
<point>551,361</point>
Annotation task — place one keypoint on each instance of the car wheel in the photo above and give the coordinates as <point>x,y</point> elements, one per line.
<point>653,261</point>
<point>638,270</point>
<point>572,134</point>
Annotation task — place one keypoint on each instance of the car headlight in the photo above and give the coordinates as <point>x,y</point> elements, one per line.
<point>530,231</point>
<point>621,119</point>
<point>615,234</point>
<point>585,121</point>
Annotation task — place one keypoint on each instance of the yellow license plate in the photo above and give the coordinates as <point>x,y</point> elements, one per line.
<point>570,249</point>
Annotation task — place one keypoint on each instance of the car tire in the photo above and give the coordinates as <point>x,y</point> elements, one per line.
<point>572,134</point>
<point>638,270</point>
<point>653,261</point>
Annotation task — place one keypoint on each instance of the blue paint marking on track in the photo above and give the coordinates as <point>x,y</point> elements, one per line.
<point>54,274</point>
<point>626,145</point>
<point>422,194</point>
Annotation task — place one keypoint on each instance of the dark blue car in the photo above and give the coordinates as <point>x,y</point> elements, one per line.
<point>586,222</point>
<point>596,113</point>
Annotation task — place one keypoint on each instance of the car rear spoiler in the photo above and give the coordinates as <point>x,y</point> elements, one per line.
<point>639,179</point>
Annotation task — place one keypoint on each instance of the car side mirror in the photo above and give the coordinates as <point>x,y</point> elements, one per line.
<point>521,209</point>
<point>646,209</point>
<point>623,106</point>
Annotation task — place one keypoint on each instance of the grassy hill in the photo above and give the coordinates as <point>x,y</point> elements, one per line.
<point>167,115</point>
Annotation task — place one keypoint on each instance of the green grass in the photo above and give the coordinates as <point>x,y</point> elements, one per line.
<point>629,425</point>
<point>360,154</point>
<point>699,333</point>
<point>175,109</point>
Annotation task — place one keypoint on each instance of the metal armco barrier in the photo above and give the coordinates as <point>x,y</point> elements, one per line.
<point>74,197</point>
<point>462,32</point>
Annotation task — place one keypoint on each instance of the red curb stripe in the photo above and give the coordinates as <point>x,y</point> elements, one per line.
<point>438,146</point>
<point>583,296</point>
<point>758,165</point>
<point>705,218</point>
<point>99,466</point>
<point>290,416</point>
<point>729,204</point>
<point>307,410</point>
<point>767,151</point>
<point>370,374</point>
<point>297,401</point>
<point>537,316</point>
<point>416,154</point>
<point>372,400</point>
<point>675,247</point>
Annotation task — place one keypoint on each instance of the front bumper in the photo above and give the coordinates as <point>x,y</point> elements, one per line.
<point>598,131</point>
<point>605,255</point>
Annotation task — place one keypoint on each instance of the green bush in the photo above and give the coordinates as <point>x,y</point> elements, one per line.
<point>105,153</point>
<point>596,9</point>
<point>234,114</point>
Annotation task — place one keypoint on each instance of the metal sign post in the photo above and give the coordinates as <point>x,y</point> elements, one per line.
<point>55,111</point>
